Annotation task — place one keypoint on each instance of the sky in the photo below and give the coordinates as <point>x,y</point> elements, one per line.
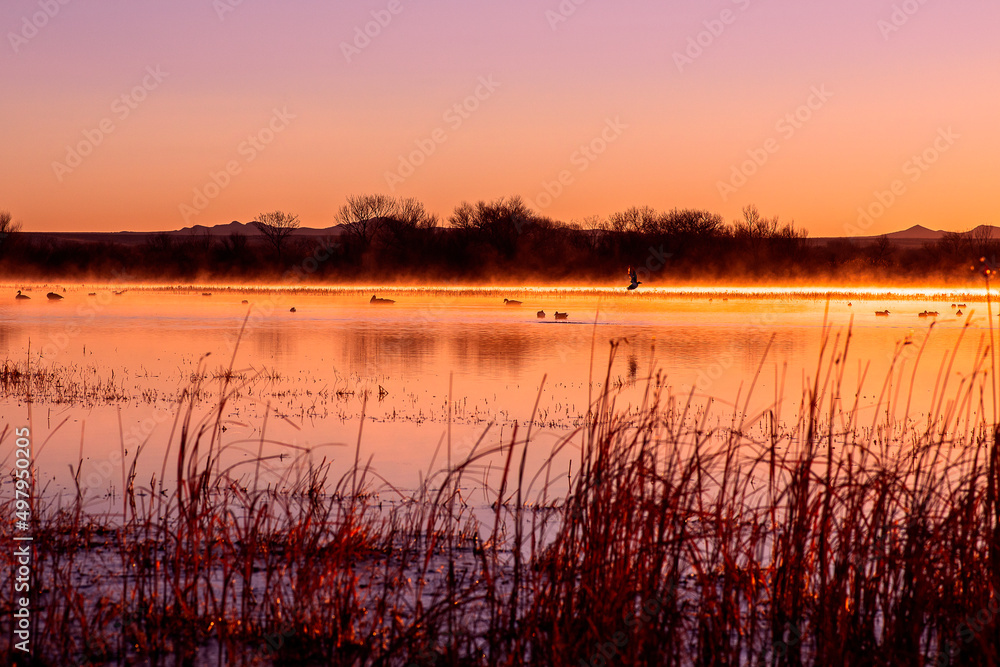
<point>849,118</point>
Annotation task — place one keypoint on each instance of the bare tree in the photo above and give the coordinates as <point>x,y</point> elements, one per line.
<point>464,216</point>
<point>981,239</point>
<point>404,229</point>
<point>411,214</point>
<point>364,215</point>
<point>634,220</point>
<point>277,226</point>
<point>880,253</point>
<point>8,230</point>
<point>691,223</point>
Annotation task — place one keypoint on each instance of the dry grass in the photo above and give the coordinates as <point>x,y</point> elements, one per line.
<point>819,539</point>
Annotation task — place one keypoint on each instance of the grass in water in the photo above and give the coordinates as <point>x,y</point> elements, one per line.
<point>839,536</point>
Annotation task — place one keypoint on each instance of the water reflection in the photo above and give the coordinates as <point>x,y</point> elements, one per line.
<point>336,350</point>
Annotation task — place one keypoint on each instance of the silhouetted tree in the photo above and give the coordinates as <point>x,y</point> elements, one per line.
<point>407,230</point>
<point>635,220</point>
<point>981,240</point>
<point>691,223</point>
<point>364,215</point>
<point>498,224</point>
<point>8,230</point>
<point>277,226</point>
<point>881,252</point>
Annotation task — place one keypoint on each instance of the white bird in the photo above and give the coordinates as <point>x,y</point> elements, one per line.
<point>635,280</point>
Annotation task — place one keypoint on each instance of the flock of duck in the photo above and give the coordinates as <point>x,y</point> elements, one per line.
<point>378,301</point>
<point>926,313</point>
<point>540,314</point>
<point>51,296</point>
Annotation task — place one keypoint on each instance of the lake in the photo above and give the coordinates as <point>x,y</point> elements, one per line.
<point>119,362</point>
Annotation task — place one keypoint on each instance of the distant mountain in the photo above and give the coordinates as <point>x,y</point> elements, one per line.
<point>917,232</point>
<point>247,229</point>
<point>217,231</point>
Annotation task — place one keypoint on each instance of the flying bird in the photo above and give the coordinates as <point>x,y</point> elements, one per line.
<point>635,280</point>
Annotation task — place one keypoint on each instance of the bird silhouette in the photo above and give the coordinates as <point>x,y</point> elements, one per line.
<point>21,296</point>
<point>378,301</point>
<point>511,302</point>
<point>53,296</point>
<point>634,278</point>
<point>541,314</point>
<point>562,316</point>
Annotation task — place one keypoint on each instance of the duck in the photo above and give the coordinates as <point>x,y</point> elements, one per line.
<point>511,302</point>
<point>881,313</point>
<point>378,301</point>
<point>244,301</point>
<point>562,316</point>
<point>541,314</point>
<point>52,296</point>
<point>292,309</point>
<point>633,278</point>
<point>958,312</point>
<point>21,296</point>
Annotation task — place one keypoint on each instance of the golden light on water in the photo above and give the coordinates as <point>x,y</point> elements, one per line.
<point>804,291</point>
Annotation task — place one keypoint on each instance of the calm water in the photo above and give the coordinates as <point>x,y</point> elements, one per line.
<point>309,374</point>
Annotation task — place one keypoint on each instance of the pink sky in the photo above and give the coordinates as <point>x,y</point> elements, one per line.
<point>231,109</point>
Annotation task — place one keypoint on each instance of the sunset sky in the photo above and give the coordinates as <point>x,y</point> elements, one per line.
<point>147,115</point>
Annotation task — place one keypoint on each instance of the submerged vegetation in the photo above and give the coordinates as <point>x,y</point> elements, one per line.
<point>505,241</point>
<point>831,536</point>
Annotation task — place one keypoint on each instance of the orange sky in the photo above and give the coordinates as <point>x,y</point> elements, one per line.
<point>145,117</point>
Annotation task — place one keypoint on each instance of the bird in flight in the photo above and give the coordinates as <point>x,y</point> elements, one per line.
<point>635,281</point>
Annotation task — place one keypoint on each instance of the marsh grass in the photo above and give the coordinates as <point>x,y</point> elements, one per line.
<point>836,536</point>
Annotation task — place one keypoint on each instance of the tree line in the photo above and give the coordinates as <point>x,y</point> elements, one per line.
<point>387,239</point>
